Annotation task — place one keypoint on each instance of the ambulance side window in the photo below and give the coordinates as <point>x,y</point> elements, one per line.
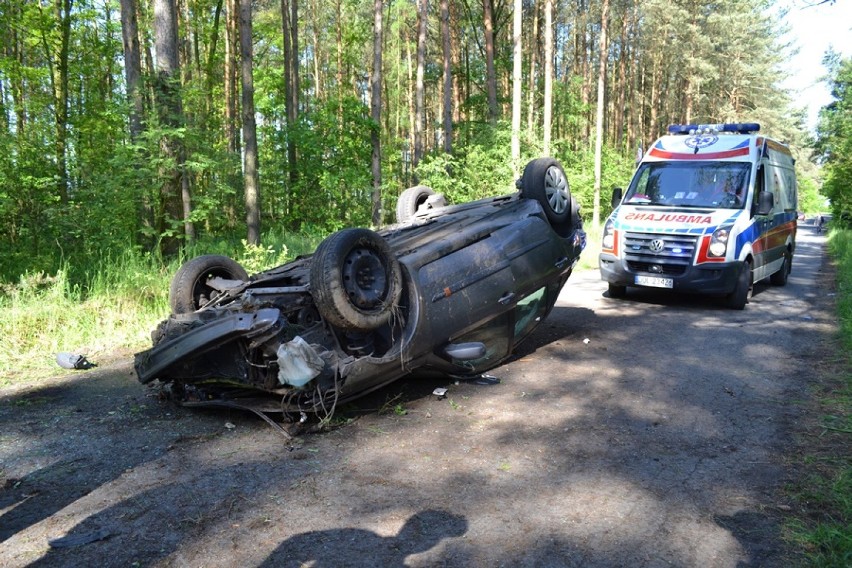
<point>759,186</point>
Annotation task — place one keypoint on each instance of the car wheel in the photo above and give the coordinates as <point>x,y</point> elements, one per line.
<point>780,278</point>
<point>616,291</point>
<point>355,279</point>
<point>738,299</point>
<point>189,290</point>
<point>544,180</point>
<point>410,200</point>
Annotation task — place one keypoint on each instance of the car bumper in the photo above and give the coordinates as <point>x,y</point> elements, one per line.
<point>717,278</point>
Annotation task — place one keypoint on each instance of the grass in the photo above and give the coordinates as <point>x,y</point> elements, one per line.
<point>589,257</point>
<point>823,529</point>
<point>41,315</point>
<point>112,308</point>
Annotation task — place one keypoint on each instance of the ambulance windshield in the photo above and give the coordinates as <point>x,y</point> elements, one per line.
<point>690,184</point>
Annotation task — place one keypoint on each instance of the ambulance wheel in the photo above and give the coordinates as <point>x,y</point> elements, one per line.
<point>616,291</point>
<point>780,278</point>
<point>738,299</point>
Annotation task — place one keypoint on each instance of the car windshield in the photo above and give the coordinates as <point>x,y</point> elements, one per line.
<point>690,184</point>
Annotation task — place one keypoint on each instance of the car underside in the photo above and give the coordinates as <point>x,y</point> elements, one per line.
<point>451,289</point>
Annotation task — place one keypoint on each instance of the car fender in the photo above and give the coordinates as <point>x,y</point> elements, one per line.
<point>195,342</point>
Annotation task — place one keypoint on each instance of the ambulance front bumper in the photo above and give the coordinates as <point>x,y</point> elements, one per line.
<point>715,278</point>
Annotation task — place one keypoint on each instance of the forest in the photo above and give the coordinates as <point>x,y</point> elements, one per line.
<point>153,127</point>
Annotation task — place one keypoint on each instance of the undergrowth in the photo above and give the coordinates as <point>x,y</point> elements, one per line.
<point>111,308</point>
<point>824,530</point>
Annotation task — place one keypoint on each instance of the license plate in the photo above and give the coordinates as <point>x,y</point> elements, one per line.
<point>654,282</point>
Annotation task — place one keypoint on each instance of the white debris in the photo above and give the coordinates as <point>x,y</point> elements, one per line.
<point>298,363</point>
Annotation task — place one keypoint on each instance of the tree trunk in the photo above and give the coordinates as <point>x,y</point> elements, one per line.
<point>289,13</point>
<point>376,114</point>
<point>422,15</point>
<point>448,77</point>
<point>317,51</point>
<point>458,96</point>
<point>133,76</point>
<point>231,41</point>
<point>250,167</point>
<point>517,66</point>
<point>548,76</point>
<point>411,114</point>
<point>532,76</point>
<point>209,65</point>
<point>60,98</point>
<point>602,51</point>
<point>339,38</point>
<point>621,84</point>
<point>132,65</point>
<point>174,193</point>
<point>490,73</point>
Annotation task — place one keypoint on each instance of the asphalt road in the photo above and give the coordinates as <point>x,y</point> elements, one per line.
<point>655,430</point>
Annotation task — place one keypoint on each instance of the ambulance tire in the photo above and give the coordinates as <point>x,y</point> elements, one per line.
<point>738,299</point>
<point>780,278</point>
<point>616,291</point>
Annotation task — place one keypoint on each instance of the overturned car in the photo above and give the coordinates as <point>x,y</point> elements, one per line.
<point>452,289</point>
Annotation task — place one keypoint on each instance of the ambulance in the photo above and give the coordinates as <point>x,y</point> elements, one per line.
<point>711,209</point>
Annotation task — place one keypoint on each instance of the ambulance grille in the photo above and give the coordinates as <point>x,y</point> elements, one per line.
<point>674,258</point>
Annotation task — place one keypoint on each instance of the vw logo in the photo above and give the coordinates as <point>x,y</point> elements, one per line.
<point>657,245</point>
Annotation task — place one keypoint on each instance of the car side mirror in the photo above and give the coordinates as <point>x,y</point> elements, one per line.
<point>765,203</point>
<point>617,193</point>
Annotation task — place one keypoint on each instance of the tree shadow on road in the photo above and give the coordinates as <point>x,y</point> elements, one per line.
<point>358,547</point>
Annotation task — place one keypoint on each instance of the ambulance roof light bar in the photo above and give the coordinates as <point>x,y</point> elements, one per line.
<point>734,128</point>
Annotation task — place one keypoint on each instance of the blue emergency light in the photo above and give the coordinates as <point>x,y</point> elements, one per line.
<point>736,128</point>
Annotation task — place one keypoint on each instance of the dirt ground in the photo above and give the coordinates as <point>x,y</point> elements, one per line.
<point>656,430</point>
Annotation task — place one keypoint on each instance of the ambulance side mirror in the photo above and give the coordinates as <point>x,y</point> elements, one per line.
<point>617,193</point>
<point>765,203</point>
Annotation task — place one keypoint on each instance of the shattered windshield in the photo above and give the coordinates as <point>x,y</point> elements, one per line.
<point>690,184</point>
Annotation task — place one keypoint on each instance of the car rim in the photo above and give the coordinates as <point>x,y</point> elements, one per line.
<point>556,189</point>
<point>201,292</point>
<point>364,278</point>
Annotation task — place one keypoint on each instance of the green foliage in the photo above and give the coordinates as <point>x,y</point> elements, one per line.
<point>828,543</point>
<point>616,171</point>
<point>256,258</point>
<point>810,199</point>
<point>835,141</point>
<point>333,182</point>
<point>826,533</point>
<point>840,246</point>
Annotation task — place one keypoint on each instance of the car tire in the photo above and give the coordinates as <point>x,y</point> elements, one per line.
<point>738,299</point>
<point>780,278</point>
<point>410,200</point>
<point>544,180</point>
<point>616,291</point>
<point>189,290</point>
<point>355,280</point>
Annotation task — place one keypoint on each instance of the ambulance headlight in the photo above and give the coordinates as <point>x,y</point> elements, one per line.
<point>719,242</point>
<point>608,238</point>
